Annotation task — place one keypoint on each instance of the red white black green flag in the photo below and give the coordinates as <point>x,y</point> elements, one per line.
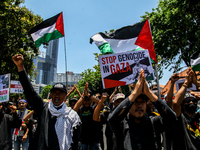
<point>128,38</point>
<point>49,29</point>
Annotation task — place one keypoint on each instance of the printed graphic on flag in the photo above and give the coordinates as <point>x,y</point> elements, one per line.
<point>49,29</point>
<point>125,39</point>
<point>123,68</point>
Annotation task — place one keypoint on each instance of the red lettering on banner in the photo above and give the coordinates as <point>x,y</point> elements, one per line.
<point>4,92</point>
<point>110,59</point>
<point>17,86</point>
<point>128,67</point>
<point>123,67</point>
<point>118,68</point>
<point>103,62</point>
<point>112,69</point>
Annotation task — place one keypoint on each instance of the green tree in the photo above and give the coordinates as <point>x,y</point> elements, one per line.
<point>46,90</point>
<point>15,23</point>
<point>175,26</point>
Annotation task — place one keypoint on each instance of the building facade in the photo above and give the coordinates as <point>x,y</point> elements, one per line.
<point>47,67</point>
<point>72,78</point>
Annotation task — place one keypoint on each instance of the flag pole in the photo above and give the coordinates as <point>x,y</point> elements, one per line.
<point>65,61</point>
<point>157,77</point>
<point>65,49</point>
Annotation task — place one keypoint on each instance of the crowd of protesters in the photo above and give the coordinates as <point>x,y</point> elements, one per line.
<point>137,120</point>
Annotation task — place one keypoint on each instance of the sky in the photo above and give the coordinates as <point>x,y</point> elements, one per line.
<point>83,19</point>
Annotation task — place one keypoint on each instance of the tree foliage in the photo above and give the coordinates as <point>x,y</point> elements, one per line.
<point>15,23</point>
<point>175,28</point>
<point>46,90</point>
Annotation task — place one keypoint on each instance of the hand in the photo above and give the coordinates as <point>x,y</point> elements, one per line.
<point>115,90</point>
<point>74,87</point>
<point>24,126</point>
<point>27,121</point>
<point>174,77</point>
<point>188,77</point>
<point>120,90</point>
<point>13,109</point>
<point>196,94</point>
<point>104,96</point>
<point>24,138</point>
<point>140,83</point>
<point>18,59</point>
<point>146,89</point>
<point>194,79</point>
<point>86,89</point>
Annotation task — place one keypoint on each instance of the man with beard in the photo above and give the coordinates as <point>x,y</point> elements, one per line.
<point>140,132</point>
<point>56,122</point>
<point>185,106</point>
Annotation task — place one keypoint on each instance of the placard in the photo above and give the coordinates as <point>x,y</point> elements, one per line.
<point>4,87</point>
<point>123,68</point>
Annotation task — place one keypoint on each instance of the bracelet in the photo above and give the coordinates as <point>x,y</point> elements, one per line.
<point>185,85</point>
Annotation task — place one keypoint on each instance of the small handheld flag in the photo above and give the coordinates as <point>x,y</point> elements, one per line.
<point>49,29</point>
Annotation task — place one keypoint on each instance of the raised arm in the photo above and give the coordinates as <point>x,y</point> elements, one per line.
<point>33,98</point>
<point>70,92</point>
<point>96,115</point>
<point>80,101</point>
<point>170,91</point>
<point>77,91</point>
<point>112,95</point>
<point>181,93</point>
<point>165,111</point>
<point>123,108</point>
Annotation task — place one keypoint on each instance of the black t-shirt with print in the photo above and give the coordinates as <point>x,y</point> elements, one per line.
<point>90,129</point>
<point>186,136</point>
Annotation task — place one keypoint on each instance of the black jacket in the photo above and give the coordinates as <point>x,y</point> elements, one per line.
<point>146,134</point>
<point>42,137</point>
<point>6,123</point>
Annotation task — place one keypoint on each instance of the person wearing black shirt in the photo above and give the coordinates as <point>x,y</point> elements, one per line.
<point>8,121</point>
<point>90,129</point>
<point>140,132</point>
<point>102,117</point>
<point>185,106</point>
<point>56,122</point>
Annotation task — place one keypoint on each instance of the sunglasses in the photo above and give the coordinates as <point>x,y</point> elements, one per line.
<point>190,100</point>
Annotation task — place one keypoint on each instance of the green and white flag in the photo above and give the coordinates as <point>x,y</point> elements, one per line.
<point>195,61</point>
<point>48,30</point>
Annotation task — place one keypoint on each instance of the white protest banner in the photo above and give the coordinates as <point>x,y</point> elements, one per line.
<point>123,68</point>
<point>16,87</point>
<point>4,87</point>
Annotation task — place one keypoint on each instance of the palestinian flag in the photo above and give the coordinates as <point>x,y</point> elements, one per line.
<point>49,29</point>
<point>195,61</point>
<point>125,39</point>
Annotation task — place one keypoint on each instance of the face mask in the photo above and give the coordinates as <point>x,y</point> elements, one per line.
<point>191,108</point>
